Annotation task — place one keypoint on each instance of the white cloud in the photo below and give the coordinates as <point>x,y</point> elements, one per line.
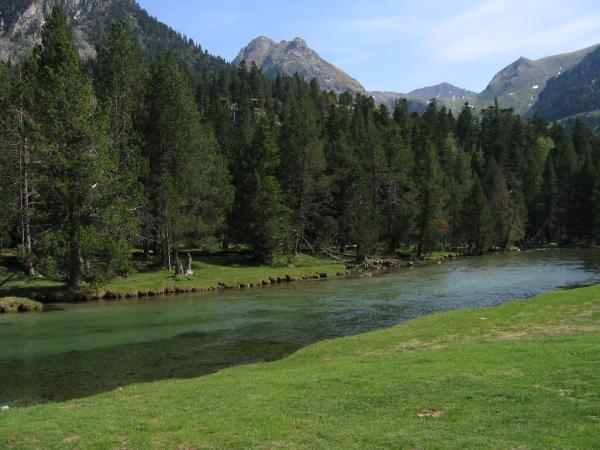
<point>385,43</point>
<point>511,27</point>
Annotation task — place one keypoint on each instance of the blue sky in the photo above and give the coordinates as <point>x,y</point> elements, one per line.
<point>395,45</point>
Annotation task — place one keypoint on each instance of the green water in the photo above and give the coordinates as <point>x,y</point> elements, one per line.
<point>84,349</point>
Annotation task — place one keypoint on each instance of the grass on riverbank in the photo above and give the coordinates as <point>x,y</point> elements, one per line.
<point>210,274</point>
<point>521,375</point>
<point>16,304</point>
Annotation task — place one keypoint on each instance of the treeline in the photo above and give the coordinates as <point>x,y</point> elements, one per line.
<point>96,163</point>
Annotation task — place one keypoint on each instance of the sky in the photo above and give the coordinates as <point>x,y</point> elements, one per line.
<point>395,45</point>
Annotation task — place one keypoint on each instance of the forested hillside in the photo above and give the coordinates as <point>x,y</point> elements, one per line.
<point>160,158</point>
<point>21,26</point>
<point>574,92</point>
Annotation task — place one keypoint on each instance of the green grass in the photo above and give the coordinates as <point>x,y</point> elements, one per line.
<point>440,255</point>
<point>522,375</point>
<point>17,304</point>
<point>209,275</point>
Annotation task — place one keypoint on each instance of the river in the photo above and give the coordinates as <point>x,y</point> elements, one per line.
<point>83,349</point>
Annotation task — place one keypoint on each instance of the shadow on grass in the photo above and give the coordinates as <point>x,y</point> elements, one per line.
<point>80,374</point>
<point>41,293</point>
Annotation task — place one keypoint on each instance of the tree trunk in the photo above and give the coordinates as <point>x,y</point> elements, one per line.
<point>166,246</point>
<point>188,265</point>
<point>146,250</point>
<point>178,266</point>
<point>25,203</point>
<point>74,265</point>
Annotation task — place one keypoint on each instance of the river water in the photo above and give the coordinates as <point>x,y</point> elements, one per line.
<point>83,349</point>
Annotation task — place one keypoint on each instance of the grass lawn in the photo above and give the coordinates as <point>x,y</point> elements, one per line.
<point>210,274</point>
<point>522,375</point>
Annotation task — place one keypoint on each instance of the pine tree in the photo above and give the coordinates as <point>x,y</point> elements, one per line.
<point>549,203</point>
<point>302,169</point>
<point>119,81</point>
<point>359,216</point>
<point>494,133</point>
<point>584,205</point>
<point>467,129</point>
<point>398,194</point>
<point>73,154</point>
<point>260,198</point>
<point>18,138</point>
<point>431,199</point>
<point>477,220</point>
<point>565,158</point>
<point>9,183</point>
<point>458,182</point>
<point>187,184</point>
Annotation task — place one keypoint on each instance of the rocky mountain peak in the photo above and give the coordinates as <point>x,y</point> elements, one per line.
<point>290,57</point>
<point>299,43</point>
<point>22,20</point>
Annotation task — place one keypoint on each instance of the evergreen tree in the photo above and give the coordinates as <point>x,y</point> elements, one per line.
<point>119,82</point>
<point>260,198</point>
<point>477,220</point>
<point>73,154</point>
<point>584,201</point>
<point>302,169</point>
<point>431,200</point>
<point>188,184</point>
<point>549,199</point>
<point>398,194</point>
<point>9,167</point>
<point>565,158</point>
<point>359,217</point>
<point>467,129</point>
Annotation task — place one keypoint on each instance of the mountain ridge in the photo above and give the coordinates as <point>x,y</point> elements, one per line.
<point>21,23</point>
<point>296,56</point>
<point>519,84</point>
<point>575,92</point>
<point>446,95</point>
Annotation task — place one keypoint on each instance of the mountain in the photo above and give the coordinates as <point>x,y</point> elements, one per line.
<point>21,23</point>
<point>445,94</point>
<point>575,93</point>
<point>290,57</point>
<point>519,85</point>
<point>444,91</point>
<point>391,98</point>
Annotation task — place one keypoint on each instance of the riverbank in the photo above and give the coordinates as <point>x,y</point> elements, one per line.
<point>520,375</point>
<point>210,276</point>
<point>150,282</point>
